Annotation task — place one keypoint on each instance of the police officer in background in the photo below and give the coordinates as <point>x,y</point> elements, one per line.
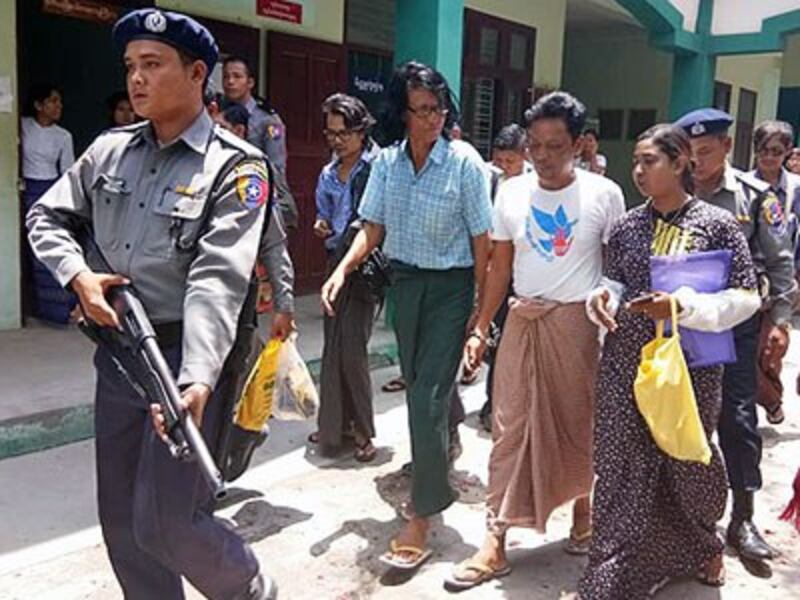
<point>763,223</point>
<point>265,128</point>
<point>274,264</point>
<point>177,208</point>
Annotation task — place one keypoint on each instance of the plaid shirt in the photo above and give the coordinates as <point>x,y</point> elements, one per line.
<point>430,216</point>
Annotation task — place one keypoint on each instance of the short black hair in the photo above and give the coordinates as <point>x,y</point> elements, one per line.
<point>352,110</point>
<point>39,92</point>
<point>592,132</point>
<point>413,75</point>
<point>236,114</point>
<point>511,137</point>
<point>770,129</point>
<point>238,58</point>
<point>559,105</point>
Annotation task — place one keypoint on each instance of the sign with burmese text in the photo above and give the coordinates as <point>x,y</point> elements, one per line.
<point>82,9</point>
<point>283,10</point>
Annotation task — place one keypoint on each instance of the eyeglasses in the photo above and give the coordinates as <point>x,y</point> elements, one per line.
<point>341,134</point>
<point>425,112</point>
<point>773,151</point>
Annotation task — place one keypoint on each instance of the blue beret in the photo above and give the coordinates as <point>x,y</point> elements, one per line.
<point>175,29</point>
<point>705,121</point>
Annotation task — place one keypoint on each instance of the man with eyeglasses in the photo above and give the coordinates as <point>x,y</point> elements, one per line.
<point>772,143</point>
<point>765,226</point>
<point>427,201</point>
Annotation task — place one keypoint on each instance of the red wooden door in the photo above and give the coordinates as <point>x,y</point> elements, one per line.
<point>302,73</point>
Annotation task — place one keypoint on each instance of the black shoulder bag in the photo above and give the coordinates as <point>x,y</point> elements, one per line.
<point>376,270</point>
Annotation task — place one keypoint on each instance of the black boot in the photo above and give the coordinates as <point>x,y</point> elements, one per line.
<point>742,532</point>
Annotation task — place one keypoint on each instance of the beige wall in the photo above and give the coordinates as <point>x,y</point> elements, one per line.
<point>790,73</point>
<point>618,69</point>
<point>548,18</point>
<point>10,309</point>
<point>759,73</point>
<point>322,19</point>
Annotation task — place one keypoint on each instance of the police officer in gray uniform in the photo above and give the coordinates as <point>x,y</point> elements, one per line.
<point>274,254</point>
<point>265,130</point>
<point>177,209</point>
<point>763,223</point>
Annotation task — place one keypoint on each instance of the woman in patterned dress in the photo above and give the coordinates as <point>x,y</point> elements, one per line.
<point>654,516</point>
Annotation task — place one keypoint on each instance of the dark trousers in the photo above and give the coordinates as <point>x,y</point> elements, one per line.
<point>345,385</point>
<point>156,512</point>
<point>739,437</point>
<point>432,312</point>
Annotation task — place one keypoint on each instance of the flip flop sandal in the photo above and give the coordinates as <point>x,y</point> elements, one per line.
<point>579,543</point>
<point>483,573</point>
<point>706,579</point>
<point>397,384</point>
<point>393,559</point>
<point>365,453</point>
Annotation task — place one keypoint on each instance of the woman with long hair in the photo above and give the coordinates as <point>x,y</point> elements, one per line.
<point>654,516</point>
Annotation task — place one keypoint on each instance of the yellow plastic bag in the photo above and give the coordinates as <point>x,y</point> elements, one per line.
<point>255,405</point>
<point>665,397</point>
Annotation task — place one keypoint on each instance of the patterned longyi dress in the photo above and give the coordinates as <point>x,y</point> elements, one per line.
<point>654,516</point>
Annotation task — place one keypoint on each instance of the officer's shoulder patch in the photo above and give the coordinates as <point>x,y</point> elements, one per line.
<point>252,183</point>
<point>772,213</point>
<point>752,182</point>
<point>274,131</point>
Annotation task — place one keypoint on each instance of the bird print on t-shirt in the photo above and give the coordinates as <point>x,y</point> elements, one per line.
<point>557,229</point>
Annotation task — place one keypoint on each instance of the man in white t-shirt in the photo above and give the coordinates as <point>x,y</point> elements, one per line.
<point>549,229</point>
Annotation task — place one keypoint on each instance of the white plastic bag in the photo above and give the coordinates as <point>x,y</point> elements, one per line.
<point>294,397</point>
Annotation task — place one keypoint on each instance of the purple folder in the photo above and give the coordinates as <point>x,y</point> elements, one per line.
<point>704,272</point>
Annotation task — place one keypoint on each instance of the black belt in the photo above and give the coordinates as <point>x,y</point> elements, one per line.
<point>169,334</point>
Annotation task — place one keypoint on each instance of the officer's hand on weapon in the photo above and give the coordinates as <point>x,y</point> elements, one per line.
<point>91,289</point>
<point>282,325</point>
<point>330,289</point>
<point>193,399</point>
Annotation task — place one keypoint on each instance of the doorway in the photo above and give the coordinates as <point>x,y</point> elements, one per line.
<point>302,73</point>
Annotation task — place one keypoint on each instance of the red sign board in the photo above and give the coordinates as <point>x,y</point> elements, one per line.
<point>282,10</point>
<point>82,9</point>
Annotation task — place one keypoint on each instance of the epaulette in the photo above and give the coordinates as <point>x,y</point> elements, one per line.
<point>754,183</point>
<point>264,105</point>
<point>231,139</point>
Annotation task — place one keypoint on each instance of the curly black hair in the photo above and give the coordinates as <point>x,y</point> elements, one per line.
<point>559,105</point>
<point>414,75</point>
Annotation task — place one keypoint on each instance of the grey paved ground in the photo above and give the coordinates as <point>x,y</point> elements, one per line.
<point>319,524</point>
